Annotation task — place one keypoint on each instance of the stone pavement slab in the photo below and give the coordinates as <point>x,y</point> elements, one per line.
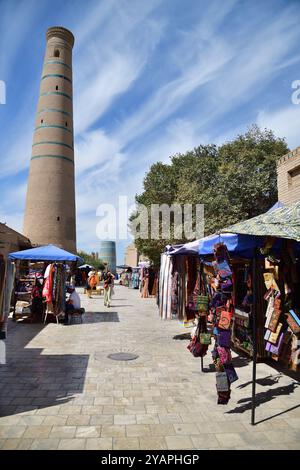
<point>60,390</point>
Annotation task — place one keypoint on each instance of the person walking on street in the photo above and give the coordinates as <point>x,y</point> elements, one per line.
<point>108,284</point>
<point>91,283</point>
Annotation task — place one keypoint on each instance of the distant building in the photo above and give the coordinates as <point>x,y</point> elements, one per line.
<point>131,256</point>
<point>288,177</point>
<point>11,241</point>
<point>107,255</point>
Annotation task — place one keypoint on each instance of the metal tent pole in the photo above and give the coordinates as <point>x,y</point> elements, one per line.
<point>254,335</point>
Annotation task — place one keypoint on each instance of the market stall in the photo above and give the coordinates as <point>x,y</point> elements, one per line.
<point>280,229</point>
<point>42,276</point>
<point>261,281</point>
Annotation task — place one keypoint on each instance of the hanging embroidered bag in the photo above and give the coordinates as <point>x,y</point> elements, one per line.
<point>225,320</point>
<point>205,338</point>
<point>231,373</point>
<point>222,382</point>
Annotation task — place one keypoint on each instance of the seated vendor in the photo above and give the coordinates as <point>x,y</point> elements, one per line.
<point>73,303</point>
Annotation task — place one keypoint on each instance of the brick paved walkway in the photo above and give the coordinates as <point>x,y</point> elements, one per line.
<point>59,390</point>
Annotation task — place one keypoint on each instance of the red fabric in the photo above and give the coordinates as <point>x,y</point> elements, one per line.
<point>47,289</point>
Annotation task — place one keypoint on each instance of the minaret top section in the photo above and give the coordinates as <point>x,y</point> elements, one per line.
<point>60,32</point>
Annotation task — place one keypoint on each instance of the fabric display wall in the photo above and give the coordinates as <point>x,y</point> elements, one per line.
<point>242,330</point>
<point>243,300</point>
<point>165,286</point>
<point>135,280</point>
<point>177,287</point>
<point>198,303</point>
<point>54,290</point>
<point>282,307</point>
<point>28,291</point>
<point>7,275</point>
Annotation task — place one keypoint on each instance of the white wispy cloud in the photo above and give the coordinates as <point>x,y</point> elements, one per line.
<point>109,63</point>
<point>195,83</point>
<point>16,22</point>
<point>284,122</point>
<point>254,65</point>
<point>17,151</point>
<point>105,83</point>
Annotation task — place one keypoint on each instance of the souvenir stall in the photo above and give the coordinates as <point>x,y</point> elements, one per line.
<point>246,276</point>
<point>41,279</point>
<point>280,231</point>
<point>280,271</point>
<point>241,250</point>
<point>27,300</point>
<point>10,240</point>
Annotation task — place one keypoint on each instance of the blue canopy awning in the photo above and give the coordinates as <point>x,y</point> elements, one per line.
<point>190,248</point>
<point>45,253</point>
<point>242,245</point>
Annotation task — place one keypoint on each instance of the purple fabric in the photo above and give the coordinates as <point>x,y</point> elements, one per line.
<point>267,346</point>
<point>224,354</point>
<point>231,373</point>
<point>224,338</point>
<point>275,349</point>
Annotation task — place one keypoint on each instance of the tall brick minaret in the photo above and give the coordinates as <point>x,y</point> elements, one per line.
<point>50,203</point>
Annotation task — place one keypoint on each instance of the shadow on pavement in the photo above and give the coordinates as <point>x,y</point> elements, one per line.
<point>264,397</point>
<point>118,306</point>
<point>264,382</point>
<point>183,336</point>
<point>98,317</point>
<point>31,380</point>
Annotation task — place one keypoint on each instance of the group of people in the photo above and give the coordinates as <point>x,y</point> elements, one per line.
<point>74,302</point>
<point>94,279</point>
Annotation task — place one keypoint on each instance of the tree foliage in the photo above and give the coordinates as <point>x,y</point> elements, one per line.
<point>234,181</point>
<point>91,259</point>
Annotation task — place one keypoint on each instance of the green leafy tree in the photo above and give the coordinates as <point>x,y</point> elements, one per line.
<point>234,181</point>
<point>91,259</point>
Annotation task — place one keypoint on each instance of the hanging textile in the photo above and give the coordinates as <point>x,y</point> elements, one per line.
<point>6,299</point>
<point>192,271</point>
<point>165,287</point>
<point>222,305</point>
<point>48,285</point>
<point>2,280</point>
<point>135,280</point>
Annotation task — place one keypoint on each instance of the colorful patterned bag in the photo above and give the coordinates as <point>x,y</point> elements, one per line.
<point>205,338</point>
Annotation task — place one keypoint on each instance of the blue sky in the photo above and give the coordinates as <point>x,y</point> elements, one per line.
<point>151,78</point>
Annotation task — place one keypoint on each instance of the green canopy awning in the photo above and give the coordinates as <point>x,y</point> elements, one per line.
<point>282,223</point>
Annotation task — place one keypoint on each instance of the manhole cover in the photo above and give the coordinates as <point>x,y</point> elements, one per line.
<point>123,356</point>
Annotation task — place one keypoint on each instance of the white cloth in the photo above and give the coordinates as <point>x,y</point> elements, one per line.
<point>47,272</point>
<point>75,299</point>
